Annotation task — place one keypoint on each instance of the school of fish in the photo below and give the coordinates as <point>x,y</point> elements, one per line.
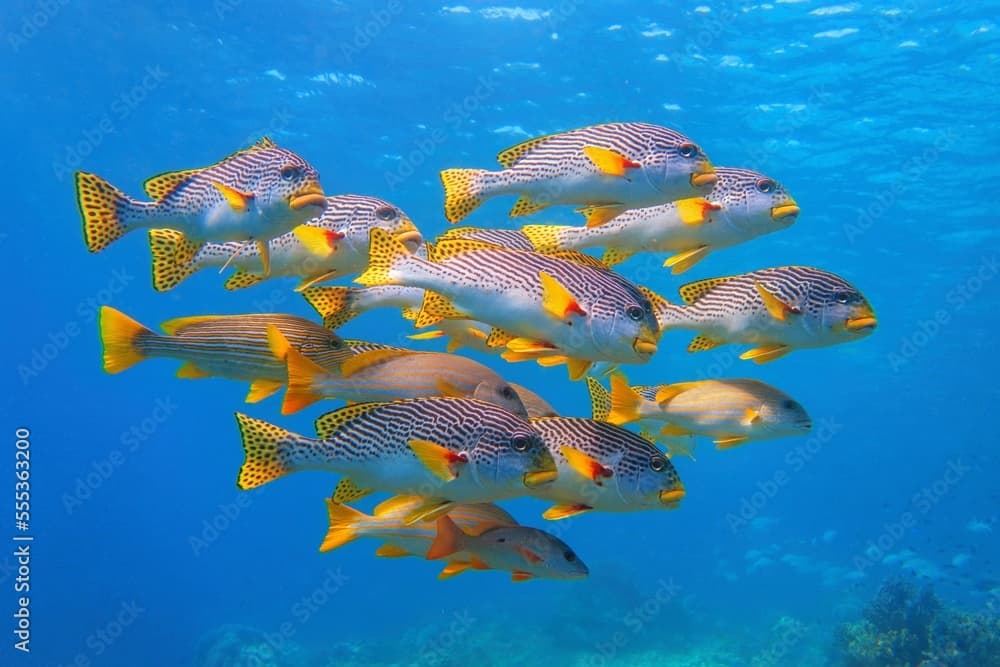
<point>446,437</point>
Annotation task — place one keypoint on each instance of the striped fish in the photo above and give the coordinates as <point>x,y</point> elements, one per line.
<point>776,310</point>
<point>731,411</point>
<point>743,204</point>
<point>604,467</point>
<point>612,167</point>
<point>386,375</point>
<point>446,449</point>
<point>514,239</point>
<point>235,347</point>
<point>540,307</point>
<point>255,194</point>
<point>533,403</point>
<point>331,245</point>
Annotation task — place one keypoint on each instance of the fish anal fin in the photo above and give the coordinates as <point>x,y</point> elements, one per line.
<point>189,370</point>
<point>261,389</point>
<point>702,343</point>
<point>526,206</point>
<point>565,511</point>
<point>765,354</point>
<point>683,261</point>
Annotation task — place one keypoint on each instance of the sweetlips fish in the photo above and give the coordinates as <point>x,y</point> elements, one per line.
<point>331,245</point>
<point>731,411</point>
<point>776,310</point>
<point>540,307</point>
<point>610,168</point>
<point>533,403</point>
<point>604,467</point>
<point>742,205</point>
<point>527,553</point>
<point>235,347</point>
<point>446,449</point>
<point>390,374</point>
<point>255,194</point>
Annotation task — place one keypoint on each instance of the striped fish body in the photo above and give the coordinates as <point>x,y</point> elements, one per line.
<point>514,239</point>
<point>257,193</point>
<point>398,374</point>
<point>791,306</point>
<point>505,288</point>
<point>458,449</point>
<point>624,473</point>
<point>625,165</point>
<point>337,247</point>
<point>742,205</point>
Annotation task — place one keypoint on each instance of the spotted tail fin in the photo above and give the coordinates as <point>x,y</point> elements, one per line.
<point>105,210</point>
<point>121,336</point>
<point>271,452</point>
<point>334,304</point>
<point>463,192</point>
<point>173,258</point>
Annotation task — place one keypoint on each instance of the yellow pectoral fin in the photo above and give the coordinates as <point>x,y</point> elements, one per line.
<point>440,460</point>
<point>586,465</point>
<point>192,372</point>
<point>577,368</point>
<point>427,335</point>
<point>762,355</point>
<point>683,261</point>
<point>598,215</point>
<point>391,551</point>
<point>694,211</point>
<point>667,392</point>
<point>429,511</point>
<point>556,299</point>
<point>750,417</point>
<point>277,342</point>
<point>778,309</point>
<point>446,388</point>
<point>317,240</point>
<point>238,201</point>
<point>729,443</point>
<point>565,511</point>
<point>261,389</point>
<point>265,257</point>
<point>608,161</point>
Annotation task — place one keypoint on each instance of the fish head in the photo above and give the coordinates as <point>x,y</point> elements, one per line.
<point>498,392</point>
<point>781,416</point>
<point>624,326</point>
<point>517,454</point>
<point>534,551</point>
<point>752,202</point>
<point>647,476</point>
<point>844,311</point>
<point>323,347</point>
<point>676,166</point>
<point>356,215</point>
<point>282,181</point>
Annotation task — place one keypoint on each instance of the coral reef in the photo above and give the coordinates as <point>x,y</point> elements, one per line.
<point>240,646</point>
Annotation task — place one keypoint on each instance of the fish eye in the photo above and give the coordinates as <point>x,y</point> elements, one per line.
<point>790,405</point>
<point>635,313</point>
<point>657,464</point>
<point>519,443</point>
<point>765,185</point>
<point>385,213</point>
<point>288,172</point>
<point>508,393</point>
<point>569,556</point>
<point>845,297</point>
<point>336,343</point>
<point>687,149</point>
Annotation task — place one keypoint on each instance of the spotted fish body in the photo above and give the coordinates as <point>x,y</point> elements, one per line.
<point>457,449</point>
<point>777,310</point>
<point>338,247</point>
<point>622,165</point>
<point>255,194</point>
<point>606,317</point>
<point>604,467</point>
<point>742,205</point>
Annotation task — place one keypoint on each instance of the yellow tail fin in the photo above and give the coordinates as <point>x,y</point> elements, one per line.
<point>301,389</point>
<point>624,401</point>
<point>343,525</point>
<point>264,461</point>
<point>384,252</point>
<point>102,207</point>
<point>173,256</point>
<point>119,335</point>
<point>333,304</point>
<point>462,192</point>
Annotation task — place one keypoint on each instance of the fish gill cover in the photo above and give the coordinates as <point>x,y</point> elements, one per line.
<point>673,342</point>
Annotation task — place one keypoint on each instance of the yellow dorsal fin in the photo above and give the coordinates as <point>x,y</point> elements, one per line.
<point>577,257</point>
<point>609,161</point>
<point>692,291</point>
<point>695,210</point>
<point>586,465</point>
<point>700,343</point>
<point>658,303</point>
<point>440,460</point>
<point>614,256</point>
<point>765,353</point>
<point>668,391</point>
<point>564,511</point>
<point>600,399</point>
<point>261,389</point>
<point>446,388</point>
<point>401,504</point>
<point>599,215</point>
<point>391,551</point>
<point>174,326</point>
<point>237,200</point>
<point>778,309</point>
<point>511,156</point>
<point>365,359</point>
<point>436,307</point>
<point>556,299</point>
<point>159,186</point>
<point>327,424</point>
<point>190,371</point>
<point>458,233</point>
<point>683,261</point>
<point>448,248</point>
<point>347,492</point>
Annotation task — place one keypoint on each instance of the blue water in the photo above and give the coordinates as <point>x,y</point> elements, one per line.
<point>879,118</point>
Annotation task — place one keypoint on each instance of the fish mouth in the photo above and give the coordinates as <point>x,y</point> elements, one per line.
<point>705,178</point>
<point>862,323</point>
<point>671,499</point>
<point>539,477</point>
<point>644,345</point>
<point>311,195</point>
<point>787,210</point>
<point>410,237</point>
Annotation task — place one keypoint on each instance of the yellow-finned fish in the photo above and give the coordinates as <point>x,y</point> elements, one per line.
<point>332,245</point>
<point>776,310</point>
<point>614,166</point>
<point>527,553</point>
<point>604,467</point>
<point>446,449</point>
<point>731,411</point>
<point>743,205</point>
<point>385,375</point>
<point>540,307</point>
<point>255,194</point>
<point>235,347</point>
<point>533,403</point>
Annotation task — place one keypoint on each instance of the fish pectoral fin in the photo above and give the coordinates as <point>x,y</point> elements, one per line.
<point>668,391</point>
<point>427,335</point>
<point>391,551</point>
<point>614,256</point>
<point>347,492</point>
<point>520,575</point>
<point>577,368</point>
<point>277,342</point>
<point>683,261</point>
<point>306,283</point>
<point>237,200</point>
<point>446,388</point>
<point>526,206</point>
<point>730,442</point>
<point>261,389</point>
<point>557,299</point>
<point>600,399</point>
<point>764,354</point>
<point>695,210</point>
<point>702,343</point>
<point>529,555</point>
<point>191,371</point>
<point>750,417</point>
<point>454,568</point>
<point>609,161</point>
<point>440,460</point>
<point>586,465</point>
<point>317,240</point>
<point>431,510</point>
<point>778,309</point>
<point>598,215</point>
<point>265,257</point>
<point>565,510</point>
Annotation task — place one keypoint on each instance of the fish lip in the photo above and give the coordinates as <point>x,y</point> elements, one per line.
<point>707,178</point>
<point>862,323</point>
<point>411,238</point>
<point>540,477</point>
<point>311,195</point>
<point>645,346</point>
<point>786,210</point>
<point>671,498</point>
